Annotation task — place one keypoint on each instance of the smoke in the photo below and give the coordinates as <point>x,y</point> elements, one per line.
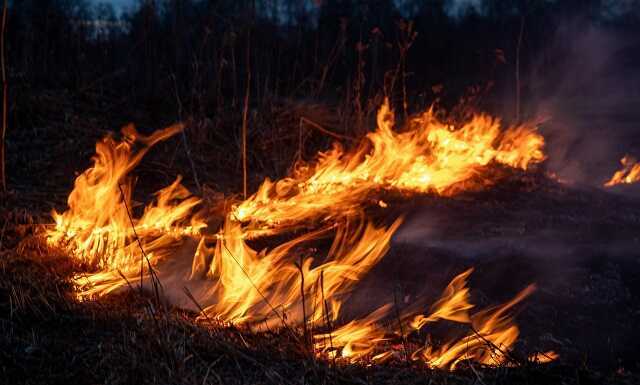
<point>549,238</point>
<point>586,81</point>
<point>609,10</point>
<point>615,9</point>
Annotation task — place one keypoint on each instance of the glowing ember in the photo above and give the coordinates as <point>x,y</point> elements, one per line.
<point>290,285</point>
<point>630,172</point>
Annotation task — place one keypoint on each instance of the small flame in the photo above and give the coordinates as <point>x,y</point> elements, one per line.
<point>491,337</point>
<point>628,174</point>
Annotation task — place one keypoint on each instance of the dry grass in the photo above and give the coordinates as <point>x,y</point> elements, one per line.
<point>46,336</point>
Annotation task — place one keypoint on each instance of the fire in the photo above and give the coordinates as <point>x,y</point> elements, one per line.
<point>630,172</point>
<point>491,335</point>
<point>357,339</point>
<point>98,228</point>
<point>429,157</point>
<point>249,285</point>
<point>292,284</point>
<point>489,341</point>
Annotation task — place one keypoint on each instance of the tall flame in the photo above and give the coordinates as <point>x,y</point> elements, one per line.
<point>98,227</point>
<point>290,284</point>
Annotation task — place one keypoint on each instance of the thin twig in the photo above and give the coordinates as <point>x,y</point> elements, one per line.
<point>494,346</point>
<point>195,302</point>
<point>325,309</point>
<point>304,310</point>
<point>478,377</point>
<point>264,298</point>
<point>125,279</point>
<point>185,142</point>
<point>3,176</point>
<point>4,228</point>
<point>244,119</point>
<point>154,279</point>
<point>193,299</point>
<point>402,335</point>
<point>324,130</point>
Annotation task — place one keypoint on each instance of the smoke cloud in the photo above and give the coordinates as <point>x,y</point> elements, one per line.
<point>587,83</point>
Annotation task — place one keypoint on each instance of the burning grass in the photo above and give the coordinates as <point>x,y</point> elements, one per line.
<point>50,337</point>
<point>235,333</point>
<point>279,287</point>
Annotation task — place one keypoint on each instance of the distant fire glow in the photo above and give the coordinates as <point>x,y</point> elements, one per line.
<point>628,174</point>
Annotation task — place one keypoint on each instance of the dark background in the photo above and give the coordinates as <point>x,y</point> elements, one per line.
<point>78,69</point>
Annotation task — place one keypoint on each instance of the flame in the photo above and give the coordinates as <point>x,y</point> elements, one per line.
<point>491,337</point>
<point>430,156</point>
<point>291,285</point>
<point>357,339</point>
<point>452,305</point>
<point>630,172</point>
<point>252,286</point>
<point>543,358</point>
<point>98,229</point>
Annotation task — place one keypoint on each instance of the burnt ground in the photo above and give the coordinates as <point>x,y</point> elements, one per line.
<point>578,244</point>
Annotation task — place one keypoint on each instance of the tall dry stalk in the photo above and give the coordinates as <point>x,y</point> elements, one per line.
<point>244,121</point>
<point>518,69</point>
<point>3,175</point>
<point>307,336</point>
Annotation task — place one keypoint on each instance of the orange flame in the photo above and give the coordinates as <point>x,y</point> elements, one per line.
<point>430,156</point>
<point>97,227</point>
<point>630,172</point>
<point>289,285</point>
<point>491,337</point>
<point>249,285</point>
